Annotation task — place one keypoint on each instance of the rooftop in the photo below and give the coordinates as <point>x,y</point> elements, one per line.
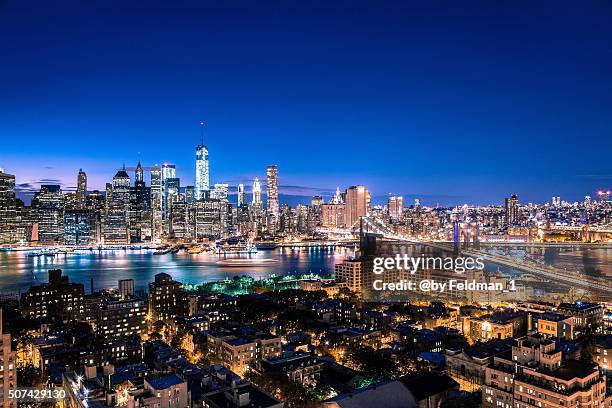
<point>164,381</point>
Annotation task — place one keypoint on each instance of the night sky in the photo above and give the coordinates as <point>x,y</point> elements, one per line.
<point>453,102</point>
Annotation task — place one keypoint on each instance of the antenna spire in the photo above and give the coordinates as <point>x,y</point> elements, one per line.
<point>202,132</point>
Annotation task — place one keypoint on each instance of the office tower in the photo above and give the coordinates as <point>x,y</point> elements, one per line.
<point>202,175</point>
<point>172,191</point>
<point>604,196</point>
<point>357,204</point>
<point>220,192</point>
<point>108,194</point>
<point>333,215</point>
<point>140,209</point>
<point>301,218</point>
<point>287,220</point>
<point>139,176</point>
<point>417,203</point>
<point>59,298</point>
<point>126,288</point>
<point>256,192</point>
<point>338,197</point>
<point>7,208</point>
<point>208,218</point>
<point>25,219</point>
<point>241,195</point>
<point>168,171</point>
<point>395,207</point>
<point>116,223</point>
<point>8,378</point>
<point>81,189</point>
<point>179,230</point>
<point>315,213</point>
<point>189,194</point>
<point>80,227</point>
<point>272,191</point>
<point>511,210</point>
<point>167,299</point>
<point>49,203</point>
<point>156,204</point>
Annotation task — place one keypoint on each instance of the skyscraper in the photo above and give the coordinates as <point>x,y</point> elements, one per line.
<point>116,223</point>
<point>156,204</point>
<point>140,209</point>
<point>357,204</point>
<point>512,207</point>
<point>49,202</point>
<point>256,192</point>
<point>81,189</point>
<point>241,195</point>
<point>395,207</point>
<point>168,171</point>
<point>139,175</point>
<point>7,208</point>
<point>272,191</point>
<point>202,176</point>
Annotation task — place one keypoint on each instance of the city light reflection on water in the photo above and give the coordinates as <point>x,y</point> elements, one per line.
<point>18,271</point>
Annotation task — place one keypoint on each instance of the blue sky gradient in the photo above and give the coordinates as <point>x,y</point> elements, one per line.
<point>453,102</point>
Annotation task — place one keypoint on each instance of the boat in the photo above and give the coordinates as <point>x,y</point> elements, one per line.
<point>246,262</point>
<point>235,246</point>
<point>266,245</point>
<point>162,251</point>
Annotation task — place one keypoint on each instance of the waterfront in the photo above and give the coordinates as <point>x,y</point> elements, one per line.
<point>18,271</point>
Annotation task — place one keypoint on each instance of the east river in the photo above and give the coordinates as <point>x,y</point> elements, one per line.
<point>18,271</point>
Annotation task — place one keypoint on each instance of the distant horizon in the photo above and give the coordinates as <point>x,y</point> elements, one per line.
<point>26,190</point>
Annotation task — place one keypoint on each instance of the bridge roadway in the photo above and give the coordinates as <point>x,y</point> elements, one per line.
<point>570,278</point>
<point>555,274</point>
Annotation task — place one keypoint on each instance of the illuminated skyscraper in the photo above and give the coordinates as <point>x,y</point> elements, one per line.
<point>156,204</point>
<point>139,175</point>
<point>168,171</point>
<point>140,209</point>
<point>189,194</point>
<point>395,206</point>
<point>256,192</point>
<point>220,192</point>
<point>512,210</point>
<point>49,202</point>
<point>272,191</point>
<point>81,189</point>
<point>7,208</point>
<point>357,204</point>
<point>202,176</point>
<point>242,200</point>
<point>116,223</point>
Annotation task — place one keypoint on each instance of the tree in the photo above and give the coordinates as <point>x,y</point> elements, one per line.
<point>28,375</point>
<point>373,364</point>
<point>292,393</point>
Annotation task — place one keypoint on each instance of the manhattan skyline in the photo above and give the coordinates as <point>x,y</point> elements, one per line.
<point>450,105</point>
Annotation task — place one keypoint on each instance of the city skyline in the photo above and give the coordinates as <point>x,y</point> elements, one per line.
<point>424,99</point>
<point>26,190</point>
